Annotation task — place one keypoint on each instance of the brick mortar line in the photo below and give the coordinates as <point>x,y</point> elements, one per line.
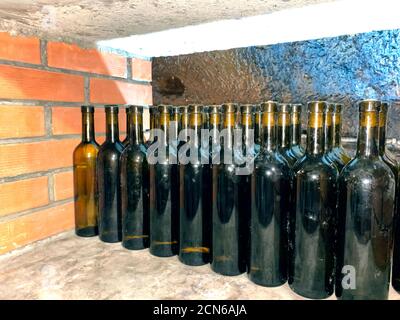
<point>33,175</point>
<point>72,72</point>
<point>50,188</point>
<point>21,214</point>
<point>43,52</point>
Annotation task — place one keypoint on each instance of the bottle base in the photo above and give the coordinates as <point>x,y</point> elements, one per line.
<point>135,245</point>
<point>310,294</point>
<point>163,252</point>
<point>226,271</point>
<point>87,232</point>
<point>269,284</point>
<point>194,261</point>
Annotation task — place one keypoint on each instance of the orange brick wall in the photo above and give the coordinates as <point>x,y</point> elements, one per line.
<point>42,85</point>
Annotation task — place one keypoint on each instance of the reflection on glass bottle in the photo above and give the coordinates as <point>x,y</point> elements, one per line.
<point>108,180</point>
<point>164,196</point>
<point>270,207</point>
<point>283,130</point>
<point>295,133</point>
<point>229,223</point>
<point>195,221</point>
<point>366,205</point>
<point>135,186</point>
<point>125,142</point>
<point>311,272</point>
<point>85,194</point>
<point>334,150</point>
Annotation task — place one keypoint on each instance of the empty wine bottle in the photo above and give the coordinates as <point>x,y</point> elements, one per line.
<point>228,244</point>
<point>311,272</point>
<point>335,152</point>
<point>85,193</point>
<point>135,186</point>
<point>328,132</point>
<point>295,133</point>
<point>366,205</point>
<point>164,189</point>
<point>283,131</point>
<point>194,244</point>
<point>125,142</point>
<point>110,229</point>
<point>270,207</point>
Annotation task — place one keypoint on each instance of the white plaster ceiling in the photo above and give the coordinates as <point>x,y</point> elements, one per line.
<point>89,21</point>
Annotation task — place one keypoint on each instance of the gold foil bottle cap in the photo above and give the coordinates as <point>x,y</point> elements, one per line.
<point>297,107</point>
<point>195,108</point>
<point>316,106</point>
<point>215,108</point>
<point>247,108</point>
<point>269,106</point>
<point>135,109</point>
<point>162,108</point>
<point>369,105</point>
<point>88,109</point>
<point>229,107</point>
<point>111,108</point>
<point>284,108</point>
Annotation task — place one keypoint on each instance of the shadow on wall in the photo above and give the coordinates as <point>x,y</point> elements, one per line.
<point>343,69</point>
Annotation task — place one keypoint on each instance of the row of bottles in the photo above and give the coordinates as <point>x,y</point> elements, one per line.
<point>310,217</point>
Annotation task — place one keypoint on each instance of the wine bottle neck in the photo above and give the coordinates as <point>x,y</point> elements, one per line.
<point>367,144</point>
<point>315,133</point>
<point>112,131</point>
<point>283,130</point>
<point>295,129</point>
<point>268,131</point>
<point>337,127</point>
<point>382,132</point>
<point>87,126</point>
<point>136,128</point>
<point>328,128</point>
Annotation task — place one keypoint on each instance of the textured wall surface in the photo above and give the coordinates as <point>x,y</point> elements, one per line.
<point>343,69</point>
<point>88,21</point>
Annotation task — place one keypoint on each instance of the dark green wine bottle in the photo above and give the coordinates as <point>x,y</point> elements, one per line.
<point>195,222</point>
<point>295,133</point>
<point>270,206</point>
<point>125,142</point>
<point>135,186</point>
<point>284,127</point>
<point>228,244</point>
<point>335,152</point>
<point>110,229</point>
<point>366,206</point>
<point>164,193</point>
<point>312,261</point>
<point>85,181</point>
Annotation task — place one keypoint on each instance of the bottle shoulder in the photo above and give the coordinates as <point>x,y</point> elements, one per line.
<point>109,146</point>
<point>86,150</point>
<point>315,165</point>
<point>365,167</point>
<point>136,153</point>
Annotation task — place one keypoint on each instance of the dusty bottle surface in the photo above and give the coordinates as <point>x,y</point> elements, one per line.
<point>366,205</point>
<point>195,220</point>
<point>110,229</point>
<point>270,207</point>
<point>334,150</point>
<point>229,223</point>
<point>164,194</point>
<point>296,149</point>
<point>311,271</point>
<point>125,142</point>
<point>135,190</point>
<point>85,180</point>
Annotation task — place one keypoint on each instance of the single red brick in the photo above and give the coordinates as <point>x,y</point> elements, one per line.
<point>23,195</point>
<point>69,56</point>
<point>20,49</point>
<point>31,84</point>
<point>21,121</point>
